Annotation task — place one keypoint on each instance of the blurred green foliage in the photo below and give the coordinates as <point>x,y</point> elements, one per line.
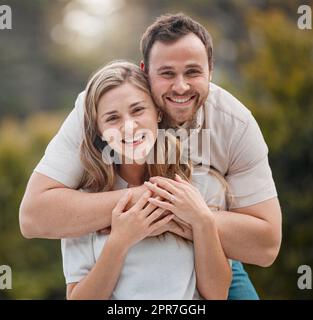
<point>261,57</point>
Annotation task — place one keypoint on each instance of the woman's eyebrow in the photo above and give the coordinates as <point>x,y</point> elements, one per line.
<point>135,104</point>
<point>109,112</point>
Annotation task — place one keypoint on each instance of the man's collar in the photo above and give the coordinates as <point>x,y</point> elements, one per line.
<point>197,121</point>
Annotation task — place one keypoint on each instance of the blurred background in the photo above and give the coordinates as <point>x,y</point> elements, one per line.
<point>260,56</point>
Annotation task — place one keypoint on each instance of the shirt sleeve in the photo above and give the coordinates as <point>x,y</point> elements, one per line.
<point>249,176</point>
<point>78,257</point>
<point>61,160</point>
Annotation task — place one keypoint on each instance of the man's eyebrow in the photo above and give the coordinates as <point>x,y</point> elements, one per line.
<point>194,65</point>
<point>162,68</point>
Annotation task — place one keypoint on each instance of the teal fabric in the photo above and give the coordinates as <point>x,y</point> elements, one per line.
<point>241,287</point>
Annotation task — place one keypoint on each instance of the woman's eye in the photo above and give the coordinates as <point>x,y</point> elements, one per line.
<point>111,119</point>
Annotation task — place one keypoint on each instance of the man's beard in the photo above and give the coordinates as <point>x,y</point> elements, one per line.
<point>169,122</point>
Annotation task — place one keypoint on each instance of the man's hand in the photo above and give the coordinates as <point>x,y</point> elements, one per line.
<point>177,227</point>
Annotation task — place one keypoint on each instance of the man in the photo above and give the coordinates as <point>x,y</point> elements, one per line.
<point>177,53</point>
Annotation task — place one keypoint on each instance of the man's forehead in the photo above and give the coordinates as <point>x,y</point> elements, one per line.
<point>188,50</point>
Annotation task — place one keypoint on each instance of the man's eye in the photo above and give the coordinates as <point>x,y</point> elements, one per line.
<point>136,110</point>
<point>193,72</point>
<point>167,74</point>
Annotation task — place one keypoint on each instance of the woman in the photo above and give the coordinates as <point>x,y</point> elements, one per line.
<point>133,262</point>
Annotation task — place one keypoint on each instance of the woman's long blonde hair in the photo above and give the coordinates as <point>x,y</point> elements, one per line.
<point>99,175</point>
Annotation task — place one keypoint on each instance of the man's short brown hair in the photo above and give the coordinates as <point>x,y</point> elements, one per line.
<point>169,28</point>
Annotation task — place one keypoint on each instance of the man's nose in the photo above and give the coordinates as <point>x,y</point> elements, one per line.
<point>180,85</point>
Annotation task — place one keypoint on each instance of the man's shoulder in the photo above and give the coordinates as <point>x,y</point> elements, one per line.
<point>221,104</point>
<point>79,103</point>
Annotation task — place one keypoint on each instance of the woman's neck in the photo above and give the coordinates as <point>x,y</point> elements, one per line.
<point>133,173</point>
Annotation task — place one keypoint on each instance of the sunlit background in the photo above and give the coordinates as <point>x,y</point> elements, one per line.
<point>260,56</point>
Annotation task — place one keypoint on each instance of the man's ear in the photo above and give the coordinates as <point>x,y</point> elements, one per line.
<point>142,66</point>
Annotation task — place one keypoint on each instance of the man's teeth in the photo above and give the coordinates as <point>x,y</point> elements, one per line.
<point>136,139</point>
<point>180,100</point>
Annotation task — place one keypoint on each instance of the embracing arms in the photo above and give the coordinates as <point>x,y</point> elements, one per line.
<point>250,234</point>
<point>51,210</point>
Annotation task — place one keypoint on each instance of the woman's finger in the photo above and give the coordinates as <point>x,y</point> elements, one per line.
<point>150,207</point>
<point>167,185</point>
<point>141,202</point>
<point>158,180</point>
<point>181,180</point>
<point>155,215</point>
<point>159,191</point>
<point>161,222</point>
<point>120,206</point>
<point>162,204</point>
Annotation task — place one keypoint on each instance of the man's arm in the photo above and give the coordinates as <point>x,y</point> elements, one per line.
<point>251,234</point>
<point>51,210</point>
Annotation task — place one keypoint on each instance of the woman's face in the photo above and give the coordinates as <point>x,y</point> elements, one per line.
<point>127,120</point>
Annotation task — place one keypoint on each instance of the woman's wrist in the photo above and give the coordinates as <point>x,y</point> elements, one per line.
<point>119,244</point>
<point>205,220</point>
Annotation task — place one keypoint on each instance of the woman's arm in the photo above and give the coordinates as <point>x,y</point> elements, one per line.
<point>128,228</point>
<point>251,234</point>
<point>101,280</point>
<point>213,272</point>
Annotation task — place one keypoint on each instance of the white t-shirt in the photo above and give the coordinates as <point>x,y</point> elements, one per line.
<point>154,268</point>
<point>235,147</point>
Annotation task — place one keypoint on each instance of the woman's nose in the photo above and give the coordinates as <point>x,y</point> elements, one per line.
<point>129,127</point>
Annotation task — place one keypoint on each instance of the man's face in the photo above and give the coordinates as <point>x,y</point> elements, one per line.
<point>179,77</point>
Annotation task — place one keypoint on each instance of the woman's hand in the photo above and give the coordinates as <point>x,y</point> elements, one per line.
<point>182,199</point>
<point>131,226</point>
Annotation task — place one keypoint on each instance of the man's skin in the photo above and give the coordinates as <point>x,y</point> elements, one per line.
<point>51,210</point>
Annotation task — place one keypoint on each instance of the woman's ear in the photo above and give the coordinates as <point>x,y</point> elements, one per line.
<point>160,116</point>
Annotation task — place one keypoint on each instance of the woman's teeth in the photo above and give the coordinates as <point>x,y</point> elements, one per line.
<point>135,140</point>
